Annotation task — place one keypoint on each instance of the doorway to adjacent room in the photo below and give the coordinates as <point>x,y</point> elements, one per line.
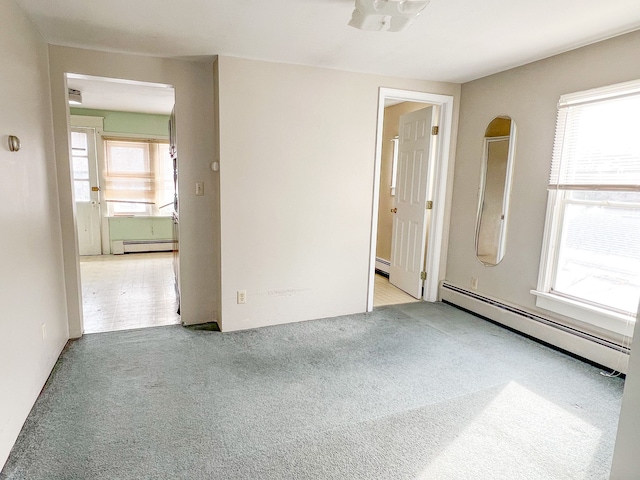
<point>411,168</point>
<point>124,186</point>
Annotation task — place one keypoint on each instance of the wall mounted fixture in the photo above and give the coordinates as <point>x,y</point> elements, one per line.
<point>386,15</point>
<point>14,143</point>
<point>75,97</point>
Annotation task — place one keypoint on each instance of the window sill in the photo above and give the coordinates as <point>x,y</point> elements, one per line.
<point>599,317</point>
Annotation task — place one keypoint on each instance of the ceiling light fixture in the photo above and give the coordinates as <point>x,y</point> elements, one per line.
<point>386,15</point>
<point>75,97</point>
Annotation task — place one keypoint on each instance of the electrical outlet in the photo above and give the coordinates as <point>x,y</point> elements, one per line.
<point>242,296</point>
<point>474,283</point>
<point>199,188</point>
<point>44,331</point>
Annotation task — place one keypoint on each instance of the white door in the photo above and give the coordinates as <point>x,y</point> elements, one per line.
<point>86,190</point>
<point>408,241</point>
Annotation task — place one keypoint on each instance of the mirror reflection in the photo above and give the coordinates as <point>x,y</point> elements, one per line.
<point>495,190</point>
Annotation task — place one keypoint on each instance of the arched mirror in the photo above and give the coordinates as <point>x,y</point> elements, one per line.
<point>495,190</point>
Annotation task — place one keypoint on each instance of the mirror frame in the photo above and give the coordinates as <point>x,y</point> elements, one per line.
<point>506,197</point>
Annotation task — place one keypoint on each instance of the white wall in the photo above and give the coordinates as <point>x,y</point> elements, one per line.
<point>31,278</point>
<point>193,82</point>
<point>297,149</point>
<point>529,95</point>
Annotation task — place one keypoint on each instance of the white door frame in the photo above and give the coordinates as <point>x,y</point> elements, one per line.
<point>436,231</point>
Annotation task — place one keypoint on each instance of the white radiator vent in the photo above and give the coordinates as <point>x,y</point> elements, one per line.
<point>382,265</point>
<point>119,247</point>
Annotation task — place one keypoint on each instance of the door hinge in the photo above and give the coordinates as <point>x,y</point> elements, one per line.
<point>434,130</point>
<point>95,189</point>
<point>423,275</point>
<point>429,204</point>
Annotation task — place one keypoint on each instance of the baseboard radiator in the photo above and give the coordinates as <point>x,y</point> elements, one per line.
<point>590,346</point>
<point>118,247</point>
<point>382,265</point>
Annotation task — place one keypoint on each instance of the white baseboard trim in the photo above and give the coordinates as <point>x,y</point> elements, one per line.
<point>546,329</point>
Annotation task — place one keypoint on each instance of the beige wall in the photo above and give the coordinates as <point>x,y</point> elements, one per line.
<point>193,83</point>
<point>392,116</point>
<point>528,94</point>
<point>297,150</point>
<point>31,279</point>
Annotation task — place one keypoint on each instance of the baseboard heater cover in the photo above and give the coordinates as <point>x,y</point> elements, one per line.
<point>592,347</point>
<point>139,246</point>
<point>382,265</point>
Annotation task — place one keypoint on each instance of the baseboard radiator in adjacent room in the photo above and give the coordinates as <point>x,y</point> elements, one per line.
<point>119,247</point>
<point>382,266</point>
<point>587,345</point>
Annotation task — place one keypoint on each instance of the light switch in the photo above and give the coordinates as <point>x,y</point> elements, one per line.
<point>199,188</point>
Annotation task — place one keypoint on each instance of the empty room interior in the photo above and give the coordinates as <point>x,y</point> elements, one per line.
<point>389,239</point>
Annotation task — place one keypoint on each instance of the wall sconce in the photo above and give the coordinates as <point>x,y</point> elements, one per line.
<point>14,143</point>
<point>386,15</point>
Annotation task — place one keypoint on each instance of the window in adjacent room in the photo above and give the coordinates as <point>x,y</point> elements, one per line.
<point>590,268</point>
<point>80,166</point>
<point>138,177</point>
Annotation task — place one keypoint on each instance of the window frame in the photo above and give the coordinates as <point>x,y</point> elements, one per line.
<point>566,305</point>
<point>557,200</point>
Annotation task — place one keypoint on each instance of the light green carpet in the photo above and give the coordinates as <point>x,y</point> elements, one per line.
<point>417,391</point>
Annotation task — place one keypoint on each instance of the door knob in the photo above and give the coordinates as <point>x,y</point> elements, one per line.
<point>394,210</point>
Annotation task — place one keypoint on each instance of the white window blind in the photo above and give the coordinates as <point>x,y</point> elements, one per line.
<point>138,177</point>
<point>597,144</point>
<point>129,175</point>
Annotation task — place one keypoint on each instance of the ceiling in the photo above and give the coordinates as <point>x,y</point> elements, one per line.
<point>122,95</point>
<point>452,40</point>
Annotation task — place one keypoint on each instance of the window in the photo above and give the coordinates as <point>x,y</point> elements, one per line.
<point>138,177</point>
<point>80,163</point>
<point>590,267</point>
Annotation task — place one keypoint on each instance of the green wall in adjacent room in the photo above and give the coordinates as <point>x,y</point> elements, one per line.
<point>140,228</point>
<point>128,122</point>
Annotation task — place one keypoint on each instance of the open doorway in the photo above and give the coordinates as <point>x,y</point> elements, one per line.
<point>124,170</point>
<point>410,186</point>
<point>399,125</point>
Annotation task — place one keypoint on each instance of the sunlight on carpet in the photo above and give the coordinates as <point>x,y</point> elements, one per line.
<point>504,429</point>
